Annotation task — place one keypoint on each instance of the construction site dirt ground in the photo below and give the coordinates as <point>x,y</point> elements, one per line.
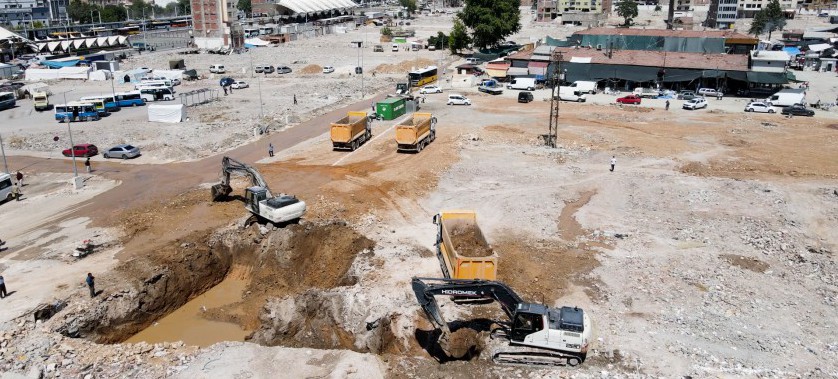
<point>708,251</point>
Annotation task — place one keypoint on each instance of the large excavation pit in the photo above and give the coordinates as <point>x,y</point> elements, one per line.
<point>214,287</point>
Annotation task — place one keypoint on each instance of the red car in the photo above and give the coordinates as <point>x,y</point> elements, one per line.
<point>630,99</point>
<point>83,150</point>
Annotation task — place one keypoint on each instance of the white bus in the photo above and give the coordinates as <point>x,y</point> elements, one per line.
<point>157,94</point>
<point>250,33</point>
<point>154,84</point>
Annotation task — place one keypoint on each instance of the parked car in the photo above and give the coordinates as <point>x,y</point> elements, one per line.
<point>759,107</point>
<point>378,49</point>
<point>798,110</point>
<point>122,151</point>
<point>81,150</point>
<point>525,97</point>
<point>695,103</point>
<point>267,69</point>
<point>283,70</point>
<point>686,95</point>
<point>175,81</point>
<point>458,100</point>
<point>708,92</point>
<point>430,89</point>
<point>328,69</point>
<point>217,69</point>
<point>473,60</point>
<point>630,99</point>
<point>239,84</point>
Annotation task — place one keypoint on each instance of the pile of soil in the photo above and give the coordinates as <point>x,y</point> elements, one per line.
<point>403,67</point>
<point>311,69</point>
<point>469,242</point>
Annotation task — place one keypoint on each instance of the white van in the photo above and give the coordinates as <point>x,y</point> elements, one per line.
<point>787,97</point>
<point>5,187</point>
<point>217,69</point>
<point>522,83</point>
<point>395,47</point>
<point>584,86</point>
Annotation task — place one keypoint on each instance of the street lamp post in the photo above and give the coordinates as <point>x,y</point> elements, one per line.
<point>258,83</point>
<point>3,150</point>
<point>70,132</point>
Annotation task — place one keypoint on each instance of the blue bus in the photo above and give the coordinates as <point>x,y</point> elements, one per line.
<point>76,111</point>
<point>103,103</point>
<point>130,99</point>
<point>7,100</point>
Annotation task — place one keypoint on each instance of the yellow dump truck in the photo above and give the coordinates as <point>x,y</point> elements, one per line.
<point>416,132</point>
<point>351,131</point>
<point>461,247</point>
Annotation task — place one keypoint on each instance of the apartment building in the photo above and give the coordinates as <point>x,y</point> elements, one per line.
<point>747,8</point>
<point>722,14</point>
<point>547,10</point>
<point>212,23</point>
<point>27,12</point>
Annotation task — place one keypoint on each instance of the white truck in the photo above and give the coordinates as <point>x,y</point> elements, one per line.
<point>646,92</point>
<point>571,94</point>
<point>584,86</point>
<point>787,97</point>
<point>522,83</point>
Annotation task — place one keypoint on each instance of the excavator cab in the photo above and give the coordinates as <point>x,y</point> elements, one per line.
<point>253,196</point>
<point>526,323</point>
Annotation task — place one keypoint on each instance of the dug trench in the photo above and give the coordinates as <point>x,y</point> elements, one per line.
<point>294,294</point>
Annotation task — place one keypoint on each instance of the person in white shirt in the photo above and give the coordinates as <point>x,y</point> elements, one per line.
<point>613,162</point>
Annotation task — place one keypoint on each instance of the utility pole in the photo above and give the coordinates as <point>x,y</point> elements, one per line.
<point>553,130</point>
<point>3,150</point>
<point>670,17</point>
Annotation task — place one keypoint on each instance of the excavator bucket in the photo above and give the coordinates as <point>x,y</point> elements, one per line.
<point>220,191</point>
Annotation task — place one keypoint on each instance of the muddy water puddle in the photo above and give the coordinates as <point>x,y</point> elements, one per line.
<point>188,325</point>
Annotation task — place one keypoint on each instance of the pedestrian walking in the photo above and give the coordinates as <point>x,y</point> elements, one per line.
<point>295,99</point>
<point>19,178</point>
<point>372,105</point>
<point>613,162</point>
<point>87,165</point>
<point>16,192</point>
<point>667,105</point>
<point>91,284</point>
<point>270,150</point>
<point>3,293</point>
<point>225,90</point>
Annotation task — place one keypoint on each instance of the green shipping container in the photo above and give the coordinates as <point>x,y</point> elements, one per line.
<point>390,109</point>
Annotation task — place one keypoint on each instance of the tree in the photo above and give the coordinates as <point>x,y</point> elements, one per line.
<point>658,8</point>
<point>627,9</point>
<point>775,19</point>
<point>491,21</point>
<point>113,13</point>
<point>140,9</point>
<point>80,12</point>
<point>758,23</point>
<point>385,31</point>
<point>458,39</point>
<point>440,40</point>
<point>184,7</point>
<point>245,6</point>
<point>410,5</point>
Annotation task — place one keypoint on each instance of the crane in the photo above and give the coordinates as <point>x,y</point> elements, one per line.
<point>549,336</point>
<point>258,197</point>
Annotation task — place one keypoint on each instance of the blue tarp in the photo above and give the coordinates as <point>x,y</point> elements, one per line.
<point>54,64</point>
<point>792,51</point>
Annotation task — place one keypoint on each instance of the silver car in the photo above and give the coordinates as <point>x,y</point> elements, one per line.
<point>122,151</point>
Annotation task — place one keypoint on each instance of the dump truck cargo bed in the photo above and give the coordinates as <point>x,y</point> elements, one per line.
<point>415,132</point>
<point>462,249</point>
<point>349,132</point>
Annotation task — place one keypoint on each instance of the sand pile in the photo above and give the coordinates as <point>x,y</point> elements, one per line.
<point>403,66</point>
<point>311,69</point>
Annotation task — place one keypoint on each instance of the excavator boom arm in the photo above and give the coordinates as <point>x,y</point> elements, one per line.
<point>231,166</point>
<point>426,293</point>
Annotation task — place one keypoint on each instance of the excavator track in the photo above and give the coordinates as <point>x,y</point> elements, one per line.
<point>535,358</point>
